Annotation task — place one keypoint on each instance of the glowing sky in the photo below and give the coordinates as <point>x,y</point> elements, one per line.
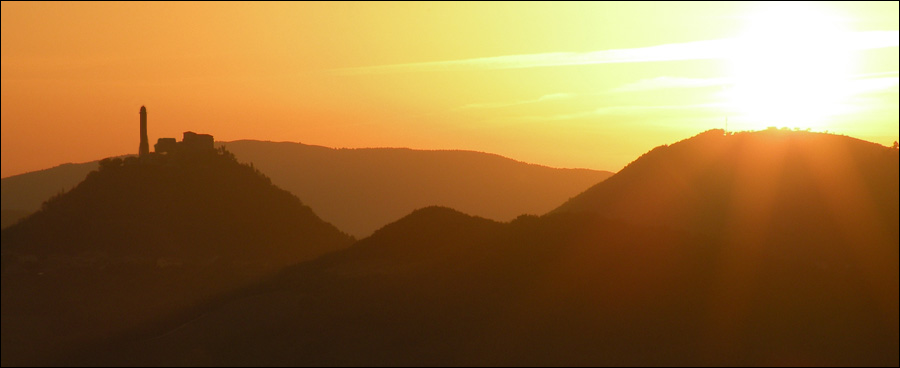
<point>590,85</point>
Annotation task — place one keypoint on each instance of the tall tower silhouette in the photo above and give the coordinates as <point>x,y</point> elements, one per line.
<point>144,149</point>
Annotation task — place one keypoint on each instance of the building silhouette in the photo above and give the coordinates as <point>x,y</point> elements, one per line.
<point>195,142</point>
<point>191,144</point>
<point>144,148</point>
<point>165,145</point>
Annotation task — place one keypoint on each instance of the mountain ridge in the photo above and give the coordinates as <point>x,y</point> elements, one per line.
<point>440,287</point>
<point>642,281</point>
<point>749,175</point>
<point>361,189</point>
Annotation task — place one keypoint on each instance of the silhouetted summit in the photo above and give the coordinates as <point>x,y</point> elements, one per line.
<point>139,239</point>
<point>766,183</point>
<point>189,206</point>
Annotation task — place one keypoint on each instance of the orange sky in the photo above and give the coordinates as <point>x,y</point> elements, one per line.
<point>589,85</point>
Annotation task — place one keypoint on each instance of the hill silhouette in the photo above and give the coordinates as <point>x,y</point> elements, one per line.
<point>443,288</point>
<point>773,181</point>
<point>439,287</point>
<point>137,239</point>
<point>361,190</point>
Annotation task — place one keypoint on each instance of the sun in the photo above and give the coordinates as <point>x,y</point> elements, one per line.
<point>791,67</point>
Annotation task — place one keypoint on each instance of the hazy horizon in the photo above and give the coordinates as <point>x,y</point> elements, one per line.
<point>574,85</point>
<point>225,143</point>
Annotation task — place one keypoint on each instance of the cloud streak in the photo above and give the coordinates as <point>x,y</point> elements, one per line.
<point>672,82</point>
<point>494,105</point>
<point>678,51</point>
<point>864,82</point>
<point>620,111</point>
<point>698,50</point>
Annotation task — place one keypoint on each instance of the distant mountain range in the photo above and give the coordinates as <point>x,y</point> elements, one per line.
<point>360,190</point>
<point>9,217</point>
<point>760,248</point>
<point>797,265</point>
<point>23,194</point>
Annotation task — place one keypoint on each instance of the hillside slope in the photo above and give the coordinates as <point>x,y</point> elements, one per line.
<point>439,287</point>
<point>138,240</point>
<point>756,184</point>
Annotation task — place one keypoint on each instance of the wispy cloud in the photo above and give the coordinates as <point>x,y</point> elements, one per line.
<point>671,82</point>
<point>859,83</point>
<point>708,49</point>
<point>622,110</point>
<point>676,51</point>
<point>494,105</point>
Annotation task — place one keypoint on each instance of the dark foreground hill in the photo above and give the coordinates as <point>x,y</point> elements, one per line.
<point>139,239</point>
<point>361,190</point>
<point>580,288</point>
<point>442,288</point>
